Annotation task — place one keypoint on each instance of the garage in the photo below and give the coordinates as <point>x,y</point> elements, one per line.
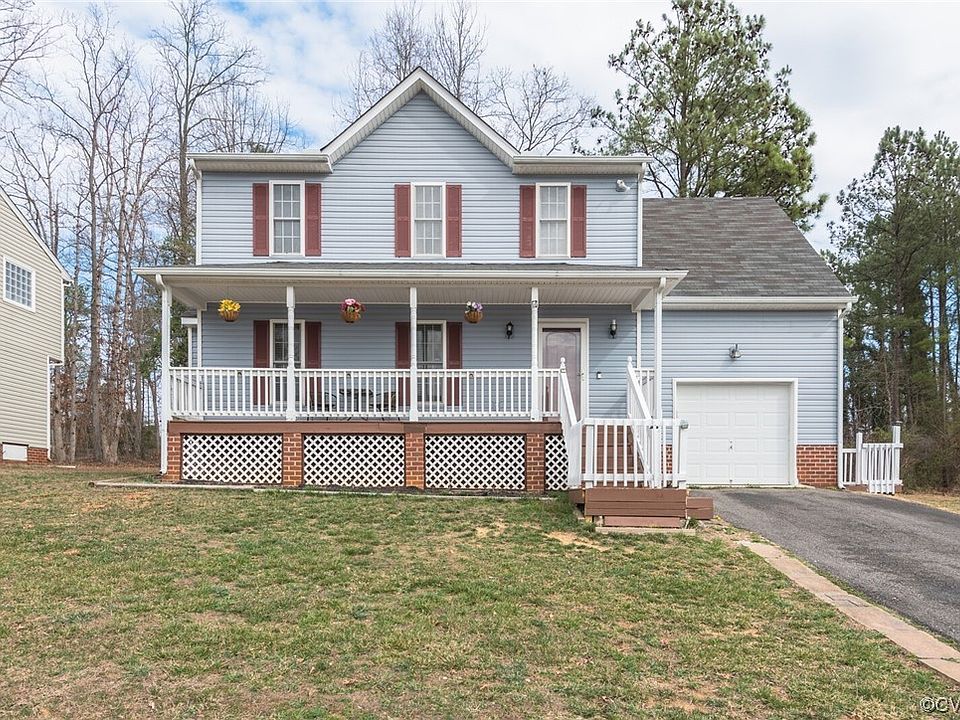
<point>740,432</point>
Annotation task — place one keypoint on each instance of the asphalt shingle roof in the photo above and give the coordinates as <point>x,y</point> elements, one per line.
<point>733,246</point>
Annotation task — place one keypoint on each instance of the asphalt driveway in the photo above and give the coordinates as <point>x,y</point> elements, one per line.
<point>900,554</point>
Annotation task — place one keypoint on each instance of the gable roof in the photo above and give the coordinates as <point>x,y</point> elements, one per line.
<point>420,81</point>
<point>734,247</point>
<point>33,234</point>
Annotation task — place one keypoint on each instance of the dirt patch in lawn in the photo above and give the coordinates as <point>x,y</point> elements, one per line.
<point>569,538</point>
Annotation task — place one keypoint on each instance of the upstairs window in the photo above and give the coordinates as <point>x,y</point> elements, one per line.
<point>18,284</point>
<point>553,221</point>
<point>428,220</point>
<point>287,218</point>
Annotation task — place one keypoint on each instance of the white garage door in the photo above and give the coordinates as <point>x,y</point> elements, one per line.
<point>739,432</point>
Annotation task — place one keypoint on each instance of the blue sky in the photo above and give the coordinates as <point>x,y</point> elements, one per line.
<point>857,67</point>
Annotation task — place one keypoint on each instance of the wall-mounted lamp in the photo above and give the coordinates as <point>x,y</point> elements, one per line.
<point>613,328</point>
<point>599,375</point>
<point>735,353</point>
<point>509,330</point>
<point>622,186</point>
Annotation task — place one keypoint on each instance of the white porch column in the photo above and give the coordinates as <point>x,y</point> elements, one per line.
<point>535,411</point>
<point>414,409</point>
<point>165,300</point>
<point>291,361</point>
<point>658,348</point>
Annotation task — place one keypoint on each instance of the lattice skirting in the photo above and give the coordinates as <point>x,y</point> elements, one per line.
<point>233,459</point>
<point>474,462</point>
<point>555,463</point>
<point>353,460</point>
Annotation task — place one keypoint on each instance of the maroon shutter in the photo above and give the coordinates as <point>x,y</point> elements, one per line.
<point>401,220</point>
<point>311,245</point>
<point>311,359</point>
<point>261,219</point>
<point>578,221</point>
<point>528,221</point>
<point>261,359</point>
<point>403,361</point>
<point>311,332</point>
<point>454,220</point>
<point>454,360</point>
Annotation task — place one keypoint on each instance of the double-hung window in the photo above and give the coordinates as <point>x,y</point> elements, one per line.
<point>18,284</point>
<point>428,220</point>
<point>280,344</point>
<point>553,220</point>
<point>430,354</point>
<point>287,218</point>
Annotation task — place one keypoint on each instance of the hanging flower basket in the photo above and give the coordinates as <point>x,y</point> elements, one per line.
<point>473,312</point>
<point>229,310</point>
<point>351,310</point>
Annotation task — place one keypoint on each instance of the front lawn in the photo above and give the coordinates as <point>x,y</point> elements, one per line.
<point>165,603</point>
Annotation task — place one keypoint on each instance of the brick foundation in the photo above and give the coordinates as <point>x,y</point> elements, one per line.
<point>35,456</point>
<point>292,459</point>
<point>413,460</point>
<point>174,458</point>
<point>534,469</point>
<point>817,465</point>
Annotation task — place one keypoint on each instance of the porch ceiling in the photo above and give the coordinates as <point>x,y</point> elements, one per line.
<point>588,285</point>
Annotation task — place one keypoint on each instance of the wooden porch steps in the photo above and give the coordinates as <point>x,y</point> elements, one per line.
<point>641,507</point>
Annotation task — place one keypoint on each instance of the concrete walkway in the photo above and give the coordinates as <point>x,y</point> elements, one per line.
<point>902,555</point>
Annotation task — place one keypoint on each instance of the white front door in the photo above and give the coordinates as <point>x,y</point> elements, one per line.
<point>739,434</point>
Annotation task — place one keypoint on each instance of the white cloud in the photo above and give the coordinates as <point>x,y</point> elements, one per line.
<point>857,68</point>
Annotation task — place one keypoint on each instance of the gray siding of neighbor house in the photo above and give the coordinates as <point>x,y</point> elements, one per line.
<point>28,338</point>
<point>801,345</point>
<point>370,343</point>
<point>420,143</point>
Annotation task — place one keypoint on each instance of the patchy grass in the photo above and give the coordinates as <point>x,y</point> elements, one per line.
<point>944,501</point>
<point>146,603</point>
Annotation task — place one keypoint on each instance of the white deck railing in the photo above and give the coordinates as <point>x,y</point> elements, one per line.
<point>227,392</point>
<point>645,452</point>
<point>873,465</point>
<point>361,393</point>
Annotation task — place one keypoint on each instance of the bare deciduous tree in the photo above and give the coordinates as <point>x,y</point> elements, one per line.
<point>538,111</point>
<point>23,38</point>
<point>199,61</point>
<point>242,120</point>
<point>459,42</point>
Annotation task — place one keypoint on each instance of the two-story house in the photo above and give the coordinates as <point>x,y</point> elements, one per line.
<point>622,339</point>
<point>31,336</point>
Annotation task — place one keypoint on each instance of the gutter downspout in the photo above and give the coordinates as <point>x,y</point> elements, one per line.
<point>840,368</point>
<point>164,369</point>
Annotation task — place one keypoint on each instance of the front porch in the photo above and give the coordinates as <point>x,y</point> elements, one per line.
<point>542,394</point>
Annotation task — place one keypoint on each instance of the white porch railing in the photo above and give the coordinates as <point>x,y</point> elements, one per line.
<point>874,465</point>
<point>361,393</point>
<point>227,392</point>
<point>633,453</point>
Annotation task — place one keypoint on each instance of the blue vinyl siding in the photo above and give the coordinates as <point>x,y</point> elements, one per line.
<point>370,343</point>
<point>420,143</point>
<point>801,345</point>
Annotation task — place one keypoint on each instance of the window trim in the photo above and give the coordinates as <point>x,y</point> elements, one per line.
<point>32,307</point>
<point>553,184</point>
<point>443,220</point>
<point>302,325</point>
<point>303,218</point>
<point>443,340</point>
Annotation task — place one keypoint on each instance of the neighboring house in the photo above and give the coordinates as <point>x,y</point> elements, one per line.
<point>31,336</point>
<point>706,329</point>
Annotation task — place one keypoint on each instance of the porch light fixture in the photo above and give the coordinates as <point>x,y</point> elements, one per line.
<point>735,353</point>
<point>509,330</point>
<point>613,328</point>
<point>599,375</point>
<point>622,186</point>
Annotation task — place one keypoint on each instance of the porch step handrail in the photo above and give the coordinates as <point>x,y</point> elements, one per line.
<point>571,429</point>
<point>613,457</point>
